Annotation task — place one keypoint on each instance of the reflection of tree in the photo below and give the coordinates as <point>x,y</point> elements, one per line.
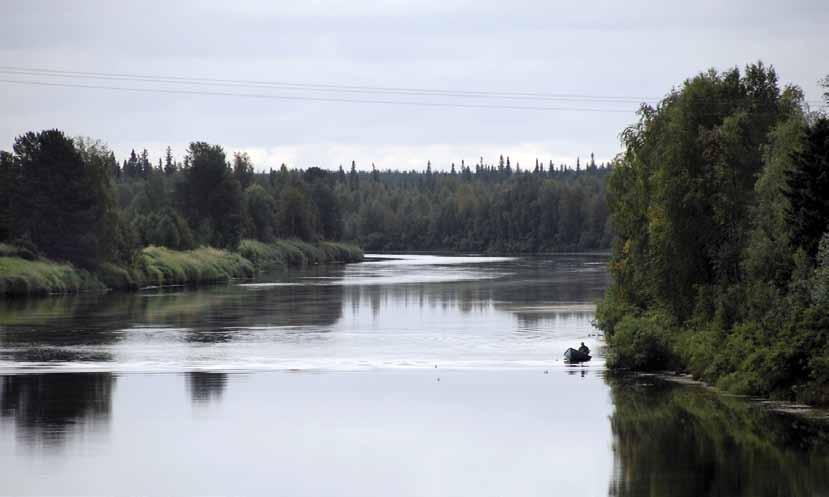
<point>679,441</point>
<point>86,319</point>
<point>206,386</point>
<point>298,306</point>
<point>46,407</point>
<point>49,329</point>
<point>525,286</point>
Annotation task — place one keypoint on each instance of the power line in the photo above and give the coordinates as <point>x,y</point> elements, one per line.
<point>182,91</point>
<point>321,87</point>
<point>314,87</point>
<point>328,88</point>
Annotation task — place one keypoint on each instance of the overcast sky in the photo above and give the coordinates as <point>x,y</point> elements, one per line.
<point>591,48</point>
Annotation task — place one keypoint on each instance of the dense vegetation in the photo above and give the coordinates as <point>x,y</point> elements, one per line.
<point>485,208</point>
<point>84,220</point>
<point>73,219</point>
<point>494,208</point>
<point>720,205</point>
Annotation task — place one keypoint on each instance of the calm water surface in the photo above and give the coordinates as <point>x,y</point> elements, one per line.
<point>413,375</point>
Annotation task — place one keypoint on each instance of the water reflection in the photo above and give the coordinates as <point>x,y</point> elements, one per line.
<point>206,386</point>
<point>671,440</point>
<point>46,407</point>
<point>577,369</point>
<point>400,313</point>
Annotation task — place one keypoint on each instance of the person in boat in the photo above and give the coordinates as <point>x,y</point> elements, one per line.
<point>583,349</point>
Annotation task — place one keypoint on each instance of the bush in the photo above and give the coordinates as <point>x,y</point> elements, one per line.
<point>341,252</point>
<point>296,253</point>
<point>611,310</point>
<point>21,277</point>
<point>116,277</point>
<point>642,343</point>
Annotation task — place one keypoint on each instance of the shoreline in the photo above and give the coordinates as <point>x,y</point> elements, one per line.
<point>159,267</point>
<point>780,406</point>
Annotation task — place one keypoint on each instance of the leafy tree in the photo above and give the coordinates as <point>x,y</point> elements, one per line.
<point>718,203</point>
<point>63,201</point>
<point>211,197</point>
<point>296,218</point>
<point>259,209</point>
<point>243,169</point>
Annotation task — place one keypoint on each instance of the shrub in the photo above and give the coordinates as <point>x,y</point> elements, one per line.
<point>297,253</point>
<point>162,266</point>
<point>642,343</point>
<point>20,277</point>
<point>116,277</point>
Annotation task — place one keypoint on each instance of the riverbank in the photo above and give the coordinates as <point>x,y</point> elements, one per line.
<point>23,273</point>
<point>779,406</point>
<point>788,365</point>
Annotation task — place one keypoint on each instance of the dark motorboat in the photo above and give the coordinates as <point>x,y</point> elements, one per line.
<point>573,355</point>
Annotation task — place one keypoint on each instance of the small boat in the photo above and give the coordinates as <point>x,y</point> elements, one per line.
<point>573,355</point>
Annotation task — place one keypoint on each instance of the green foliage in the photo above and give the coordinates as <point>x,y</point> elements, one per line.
<point>335,252</point>
<point>62,199</point>
<point>22,277</point>
<point>296,216</point>
<point>164,228</point>
<point>283,253</point>
<point>642,343</point>
<point>211,197</point>
<point>719,203</point>
<point>243,169</point>
<point>807,187</point>
<point>488,210</point>
<point>27,253</point>
<point>259,210</point>
<point>8,172</point>
<point>161,266</point>
<point>116,277</point>
<point>23,273</point>
<point>820,284</point>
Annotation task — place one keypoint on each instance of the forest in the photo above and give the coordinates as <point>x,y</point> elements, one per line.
<point>73,214</point>
<point>720,265</point>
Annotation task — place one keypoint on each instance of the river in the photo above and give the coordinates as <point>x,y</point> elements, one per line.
<point>402,375</point>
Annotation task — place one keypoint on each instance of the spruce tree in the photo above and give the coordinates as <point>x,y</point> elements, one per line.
<point>807,188</point>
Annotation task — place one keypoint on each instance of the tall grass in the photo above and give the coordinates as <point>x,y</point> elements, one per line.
<point>21,277</point>
<point>296,253</point>
<point>23,273</point>
<point>162,266</point>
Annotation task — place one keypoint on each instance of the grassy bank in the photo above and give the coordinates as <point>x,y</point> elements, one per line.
<point>23,273</point>
<point>20,276</point>
<point>162,266</point>
<point>296,253</point>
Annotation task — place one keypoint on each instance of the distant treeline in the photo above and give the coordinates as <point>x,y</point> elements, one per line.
<point>483,208</point>
<point>720,204</point>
